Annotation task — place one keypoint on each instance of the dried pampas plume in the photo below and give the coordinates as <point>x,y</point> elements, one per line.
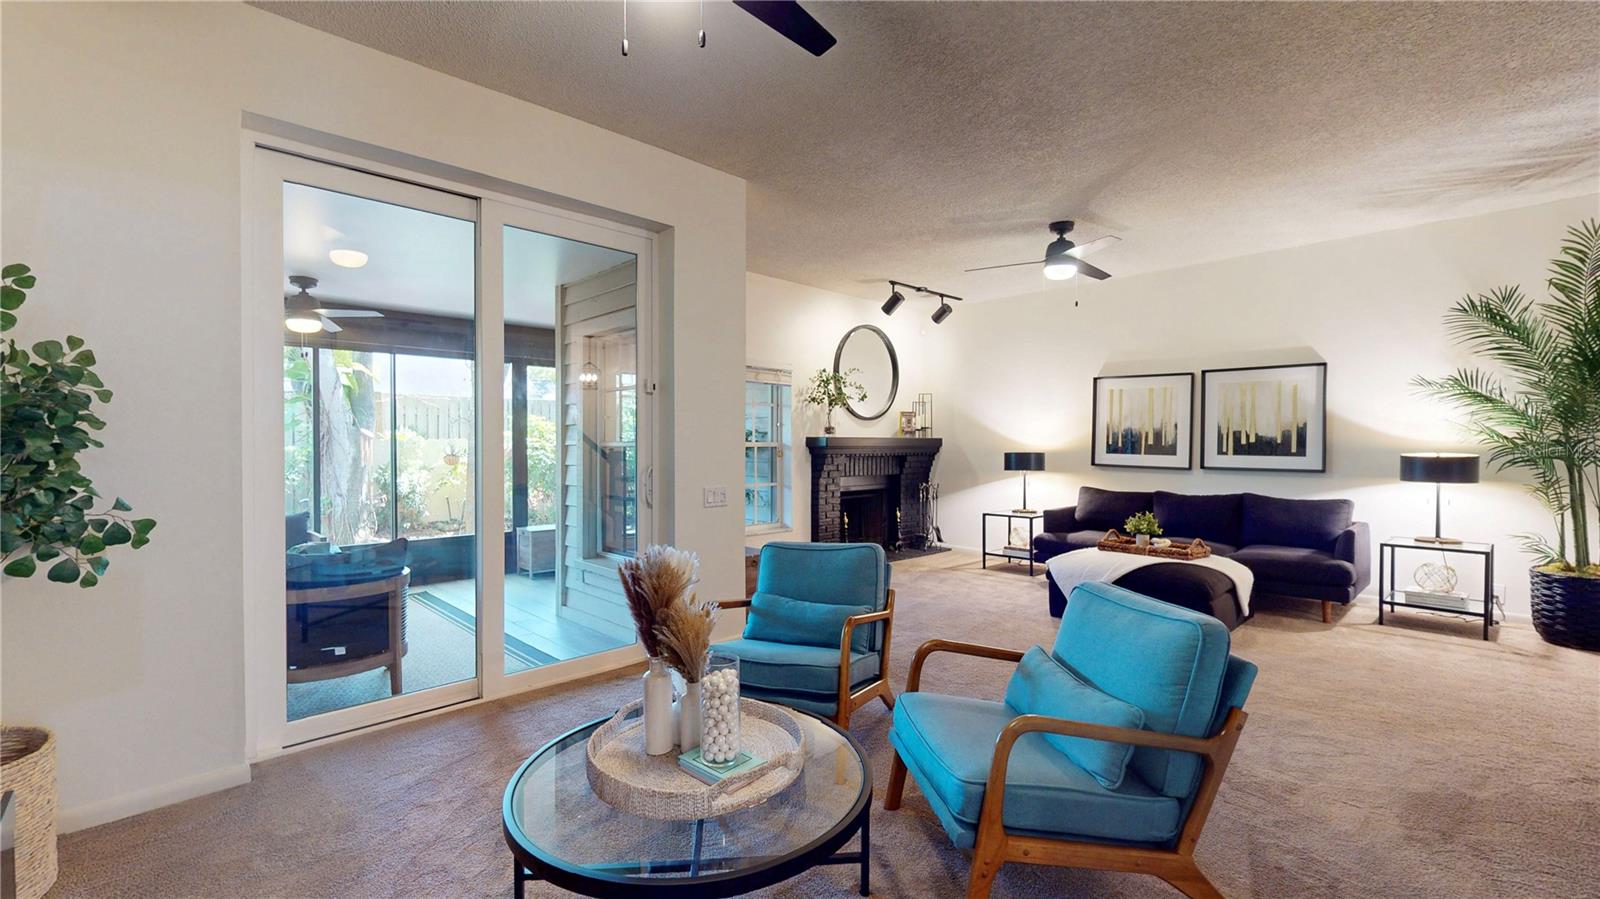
<point>652,582</point>
<point>684,635</point>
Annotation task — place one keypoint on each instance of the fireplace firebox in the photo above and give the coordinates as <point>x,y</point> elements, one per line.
<point>871,489</point>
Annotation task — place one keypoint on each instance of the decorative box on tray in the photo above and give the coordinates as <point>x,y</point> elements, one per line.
<point>655,786</point>
<point>1113,541</point>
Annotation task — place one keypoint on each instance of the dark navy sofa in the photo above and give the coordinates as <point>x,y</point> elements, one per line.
<point>1297,548</point>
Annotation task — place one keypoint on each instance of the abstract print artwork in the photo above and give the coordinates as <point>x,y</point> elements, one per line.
<point>1143,421</point>
<point>1268,418</point>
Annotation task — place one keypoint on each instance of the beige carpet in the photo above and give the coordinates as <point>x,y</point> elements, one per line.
<point>1414,760</point>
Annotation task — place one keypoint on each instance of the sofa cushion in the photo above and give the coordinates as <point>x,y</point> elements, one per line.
<point>1166,660</point>
<point>1055,544</point>
<point>792,668</point>
<point>1213,518</point>
<point>783,619</point>
<point>1296,565</point>
<point>1041,686</point>
<point>948,742</point>
<point>1105,509</point>
<point>1311,523</point>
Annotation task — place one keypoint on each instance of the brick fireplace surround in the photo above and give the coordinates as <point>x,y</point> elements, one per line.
<point>898,468</point>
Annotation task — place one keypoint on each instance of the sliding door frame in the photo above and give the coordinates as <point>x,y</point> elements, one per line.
<point>265,159</point>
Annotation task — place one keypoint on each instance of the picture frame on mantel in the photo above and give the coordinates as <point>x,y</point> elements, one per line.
<point>1143,421</point>
<point>1265,418</point>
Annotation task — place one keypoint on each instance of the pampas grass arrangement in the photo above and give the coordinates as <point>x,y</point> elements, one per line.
<point>684,636</point>
<point>653,582</point>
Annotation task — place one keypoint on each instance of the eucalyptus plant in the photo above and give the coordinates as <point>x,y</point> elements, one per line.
<point>1540,414</point>
<point>834,389</point>
<point>48,515</point>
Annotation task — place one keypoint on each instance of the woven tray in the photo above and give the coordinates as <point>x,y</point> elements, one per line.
<point>1116,543</point>
<point>653,786</point>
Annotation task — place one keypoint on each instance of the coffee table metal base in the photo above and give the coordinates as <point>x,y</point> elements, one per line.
<point>524,869</point>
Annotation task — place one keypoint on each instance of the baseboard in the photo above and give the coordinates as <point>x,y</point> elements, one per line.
<point>93,814</point>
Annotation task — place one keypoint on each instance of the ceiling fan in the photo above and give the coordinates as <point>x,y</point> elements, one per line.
<point>1062,258</point>
<point>788,19</point>
<point>304,314</point>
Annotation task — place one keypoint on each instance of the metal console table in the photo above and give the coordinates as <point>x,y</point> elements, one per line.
<point>1391,598</point>
<point>1007,551</point>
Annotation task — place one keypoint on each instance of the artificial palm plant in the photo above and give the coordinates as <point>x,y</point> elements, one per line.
<point>1540,414</point>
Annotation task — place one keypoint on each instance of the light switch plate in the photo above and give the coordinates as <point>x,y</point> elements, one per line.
<point>715,497</point>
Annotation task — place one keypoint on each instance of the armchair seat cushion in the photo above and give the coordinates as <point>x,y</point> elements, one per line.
<point>796,668</point>
<point>948,742</point>
<point>1294,564</point>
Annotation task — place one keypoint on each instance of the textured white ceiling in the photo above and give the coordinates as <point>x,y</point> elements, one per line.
<point>941,136</point>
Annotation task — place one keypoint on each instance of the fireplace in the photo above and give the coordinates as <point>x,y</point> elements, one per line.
<point>871,490</point>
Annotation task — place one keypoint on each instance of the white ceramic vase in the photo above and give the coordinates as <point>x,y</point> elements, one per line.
<point>1142,539</point>
<point>659,731</point>
<point>689,717</point>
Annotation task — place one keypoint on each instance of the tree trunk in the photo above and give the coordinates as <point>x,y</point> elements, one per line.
<point>1580,515</point>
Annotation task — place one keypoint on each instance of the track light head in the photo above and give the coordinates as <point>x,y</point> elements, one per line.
<point>942,313</point>
<point>893,303</point>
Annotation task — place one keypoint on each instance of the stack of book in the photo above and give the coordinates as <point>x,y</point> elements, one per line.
<point>711,774</point>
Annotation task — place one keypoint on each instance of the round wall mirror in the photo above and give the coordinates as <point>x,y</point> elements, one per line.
<point>868,350</point>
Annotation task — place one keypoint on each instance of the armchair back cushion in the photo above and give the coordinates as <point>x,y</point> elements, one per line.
<point>1167,660</point>
<point>1213,518</point>
<point>1307,523</point>
<point>843,574</point>
<point>782,619</point>
<point>1042,686</point>
<point>1105,509</point>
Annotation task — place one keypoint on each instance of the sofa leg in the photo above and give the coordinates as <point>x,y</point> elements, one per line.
<point>1193,883</point>
<point>987,857</point>
<point>897,782</point>
<point>1327,611</point>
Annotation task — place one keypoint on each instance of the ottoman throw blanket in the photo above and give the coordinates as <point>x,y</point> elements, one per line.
<point>1068,570</point>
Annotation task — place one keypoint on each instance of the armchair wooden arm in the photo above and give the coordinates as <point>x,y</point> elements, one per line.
<point>967,649</point>
<point>733,603</point>
<point>850,701</point>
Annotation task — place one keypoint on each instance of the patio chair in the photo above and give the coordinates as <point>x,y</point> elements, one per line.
<point>817,637</point>
<point>1106,754</point>
<point>346,612</point>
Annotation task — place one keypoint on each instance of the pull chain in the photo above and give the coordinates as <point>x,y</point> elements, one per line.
<point>624,27</point>
<point>702,24</point>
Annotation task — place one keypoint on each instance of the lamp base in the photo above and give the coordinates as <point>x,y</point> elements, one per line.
<point>1024,512</point>
<point>1451,541</point>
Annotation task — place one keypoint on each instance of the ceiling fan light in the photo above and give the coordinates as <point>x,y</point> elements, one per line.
<point>893,303</point>
<point>303,323</point>
<point>1060,269</point>
<point>942,313</point>
<point>347,258</point>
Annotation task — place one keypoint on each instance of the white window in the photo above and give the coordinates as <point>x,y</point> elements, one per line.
<point>766,435</point>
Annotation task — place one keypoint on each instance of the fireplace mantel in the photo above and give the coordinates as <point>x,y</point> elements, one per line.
<point>897,468</point>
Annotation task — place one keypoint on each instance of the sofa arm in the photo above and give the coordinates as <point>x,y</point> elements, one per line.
<point>1061,521</point>
<point>1355,546</point>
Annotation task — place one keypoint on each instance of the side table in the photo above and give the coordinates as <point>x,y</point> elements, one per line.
<point>1390,597</point>
<point>1007,551</point>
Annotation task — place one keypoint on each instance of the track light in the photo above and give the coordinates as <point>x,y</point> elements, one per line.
<point>942,313</point>
<point>893,303</point>
<point>896,298</point>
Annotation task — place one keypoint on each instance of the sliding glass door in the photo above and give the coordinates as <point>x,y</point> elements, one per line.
<point>459,386</point>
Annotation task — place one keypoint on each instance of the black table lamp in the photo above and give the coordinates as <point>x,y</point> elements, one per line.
<point>1436,469</point>
<point>1024,462</point>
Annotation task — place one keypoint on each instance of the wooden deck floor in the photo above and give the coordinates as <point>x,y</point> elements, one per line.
<point>531,619</point>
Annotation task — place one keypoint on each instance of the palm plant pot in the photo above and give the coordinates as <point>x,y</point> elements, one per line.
<point>28,772</point>
<point>1566,608</point>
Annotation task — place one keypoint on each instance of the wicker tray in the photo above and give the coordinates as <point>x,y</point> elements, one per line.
<point>1116,543</point>
<point>653,786</point>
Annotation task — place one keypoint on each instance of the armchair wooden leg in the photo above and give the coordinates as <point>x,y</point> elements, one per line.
<point>1192,883</point>
<point>1327,612</point>
<point>887,695</point>
<point>987,857</point>
<point>843,717</point>
<point>897,783</point>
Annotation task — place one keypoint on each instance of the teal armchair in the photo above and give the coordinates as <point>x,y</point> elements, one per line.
<point>1083,788</point>
<point>817,635</point>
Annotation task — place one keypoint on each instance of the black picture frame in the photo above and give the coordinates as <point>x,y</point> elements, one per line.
<point>1208,455</point>
<point>1187,425</point>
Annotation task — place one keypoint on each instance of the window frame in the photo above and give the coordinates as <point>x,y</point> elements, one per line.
<point>780,382</point>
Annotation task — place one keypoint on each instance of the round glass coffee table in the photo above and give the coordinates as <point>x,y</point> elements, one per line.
<point>560,832</point>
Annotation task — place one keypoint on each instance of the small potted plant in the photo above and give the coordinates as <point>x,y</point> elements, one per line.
<point>1143,526</point>
<point>833,389</point>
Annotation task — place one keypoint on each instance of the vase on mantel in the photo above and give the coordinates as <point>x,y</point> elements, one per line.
<point>659,730</point>
<point>828,428</point>
<point>689,717</point>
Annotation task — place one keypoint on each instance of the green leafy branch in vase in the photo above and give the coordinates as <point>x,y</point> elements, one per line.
<point>833,389</point>
<point>46,416</point>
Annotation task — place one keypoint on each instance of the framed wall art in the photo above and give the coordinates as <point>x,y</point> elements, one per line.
<point>1143,421</point>
<point>1264,418</point>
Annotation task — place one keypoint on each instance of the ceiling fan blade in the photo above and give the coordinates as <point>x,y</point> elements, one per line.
<point>1094,246</point>
<point>788,19</point>
<point>349,313</point>
<point>985,268</point>
<point>1089,271</point>
<point>329,326</point>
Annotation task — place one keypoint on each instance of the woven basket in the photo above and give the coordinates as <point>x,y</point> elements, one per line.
<point>28,773</point>
<point>1566,608</point>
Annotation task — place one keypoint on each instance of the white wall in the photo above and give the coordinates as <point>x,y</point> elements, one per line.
<point>792,326</point>
<point>121,171</point>
<point>1016,374</point>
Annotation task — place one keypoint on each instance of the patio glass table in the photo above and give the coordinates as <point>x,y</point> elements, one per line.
<point>560,832</point>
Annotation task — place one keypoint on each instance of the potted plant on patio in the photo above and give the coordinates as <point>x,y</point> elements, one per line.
<point>48,521</point>
<point>833,390</point>
<point>1541,415</point>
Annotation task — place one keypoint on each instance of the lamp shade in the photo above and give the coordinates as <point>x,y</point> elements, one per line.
<point>1024,461</point>
<point>1439,468</point>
